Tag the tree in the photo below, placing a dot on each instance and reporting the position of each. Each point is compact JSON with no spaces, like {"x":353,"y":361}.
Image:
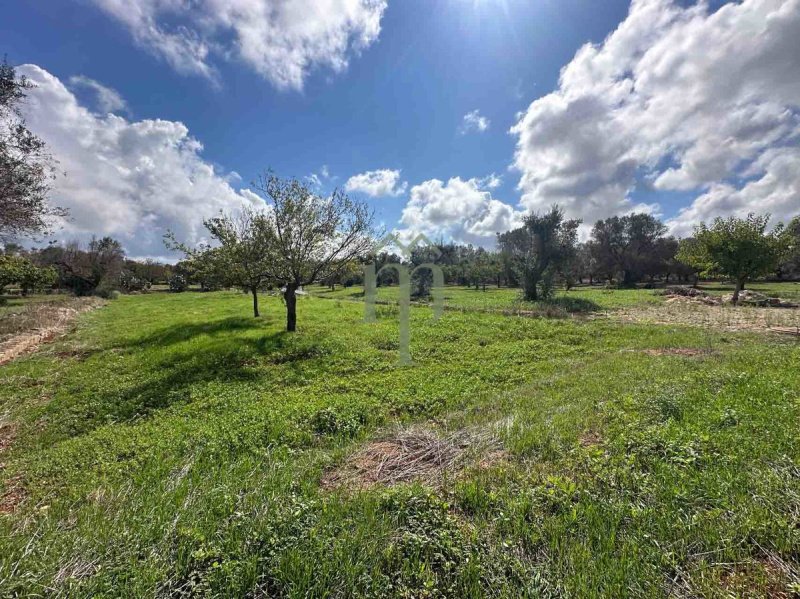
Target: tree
{"x":26,"y":168}
{"x":790,"y":265}
{"x":739,"y":248}
{"x":95,"y":270}
{"x":242,"y":257}
{"x":622,"y":245}
{"x":314,"y":237}
{"x":23,"y":272}
{"x":483,"y":269}
{"x":537,"y":249}
{"x":32,"y":277}
{"x":10,"y":267}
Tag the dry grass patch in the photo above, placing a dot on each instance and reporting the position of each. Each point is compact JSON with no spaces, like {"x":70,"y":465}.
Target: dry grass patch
{"x":715,"y":317}
{"x":22,"y":332}
{"x":688,"y":352}
{"x":415,"y":454}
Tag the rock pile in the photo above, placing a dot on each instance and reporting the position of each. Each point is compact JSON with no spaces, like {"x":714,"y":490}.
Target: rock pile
{"x":746,"y":298}
{"x":753,"y":298}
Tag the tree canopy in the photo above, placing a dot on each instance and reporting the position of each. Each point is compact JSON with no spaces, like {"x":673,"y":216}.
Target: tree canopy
{"x":314,"y":237}
{"x":739,"y":248}
{"x":26,"y":169}
{"x":545,"y":243}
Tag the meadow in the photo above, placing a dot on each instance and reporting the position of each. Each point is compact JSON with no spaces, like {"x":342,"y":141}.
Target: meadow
{"x":173,"y":445}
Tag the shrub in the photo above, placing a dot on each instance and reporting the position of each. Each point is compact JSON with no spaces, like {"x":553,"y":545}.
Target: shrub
{"x":178,"y":283}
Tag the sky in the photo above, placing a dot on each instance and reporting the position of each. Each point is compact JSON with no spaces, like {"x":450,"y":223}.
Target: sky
{"x":452,"y":118}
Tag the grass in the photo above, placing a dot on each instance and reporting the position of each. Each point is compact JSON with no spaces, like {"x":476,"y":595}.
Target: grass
{"x":174,"y":445}
{"x":493,"y":299}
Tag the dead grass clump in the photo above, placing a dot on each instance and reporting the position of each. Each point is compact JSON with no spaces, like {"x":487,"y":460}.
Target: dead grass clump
{"x":22,"y":332}
{"x":414,"y":454}
{"x":75,"y":569}
{"x":677,"y":351}
{"x":590,"y":438}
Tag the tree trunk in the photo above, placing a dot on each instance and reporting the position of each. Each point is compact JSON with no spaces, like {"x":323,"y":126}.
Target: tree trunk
{"x":254,"y":291}
{"x":736,"y":291}
{"x":530,"y":283}
{"x":291,"y":307}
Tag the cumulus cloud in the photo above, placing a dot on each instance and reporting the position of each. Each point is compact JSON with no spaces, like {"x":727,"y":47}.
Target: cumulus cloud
{"x":460,"y":209}
{"x":473,"y":121}
{"x":106,"y":98}
{"x":680,"y":98}
{"x":132,"y":180}
{"x":282,"y":40}
{"x":379,"y":183}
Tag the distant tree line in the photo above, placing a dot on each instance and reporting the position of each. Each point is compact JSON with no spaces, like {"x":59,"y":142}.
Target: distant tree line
{"x":301,"y":238}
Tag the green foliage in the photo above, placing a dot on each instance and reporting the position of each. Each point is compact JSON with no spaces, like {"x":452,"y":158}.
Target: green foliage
{"x":739,"y":248}
{"x":537,"y":250}
{"x":630,"y":246}
{"x":23,"y":272}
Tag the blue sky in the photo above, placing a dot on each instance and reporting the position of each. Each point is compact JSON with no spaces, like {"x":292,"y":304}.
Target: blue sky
{"x":400,"y":104}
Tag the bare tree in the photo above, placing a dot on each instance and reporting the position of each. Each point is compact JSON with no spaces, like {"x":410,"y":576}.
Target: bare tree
{"x":314,"y":237}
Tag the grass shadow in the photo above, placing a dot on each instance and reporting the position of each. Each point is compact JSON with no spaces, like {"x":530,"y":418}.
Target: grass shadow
{"x":573,"y":305}
{"x":180,"y":333}
{"x":166,"y":379}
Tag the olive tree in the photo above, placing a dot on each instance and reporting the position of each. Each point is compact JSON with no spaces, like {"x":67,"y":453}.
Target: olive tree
{"x":26,"y":168}
{"x":739,"y":248}
{"x":539,"y":248}
{"x":313,"y":237}
{"x":623,"y":245}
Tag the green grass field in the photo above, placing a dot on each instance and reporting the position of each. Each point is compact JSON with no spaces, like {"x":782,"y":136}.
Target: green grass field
{"x":172,"y":445}
{"x":493,"y":299}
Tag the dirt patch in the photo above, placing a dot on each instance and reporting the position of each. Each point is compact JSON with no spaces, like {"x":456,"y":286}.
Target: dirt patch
{"x":766,"y":577}
{"x":13,"y":494}
{"x":415,"y":454}
{"x":590,"y":439}
{"x":38,"y":324}
{"x":7,"y":434}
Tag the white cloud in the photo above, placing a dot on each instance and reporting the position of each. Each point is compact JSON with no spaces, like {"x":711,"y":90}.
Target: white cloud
{"x":282,"y":40}
{"x":379,"y":183}
{"x":490,"y":181}
{"x":129,"y":179}
{"x":473,"y":121}
{"x":689,"y":99}
{"x":107,"y":99}
{"x":459,"y":209}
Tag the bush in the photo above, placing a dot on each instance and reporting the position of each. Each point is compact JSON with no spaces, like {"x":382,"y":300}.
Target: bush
{"x":178,"y":283}
{"x":130,"y":283}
